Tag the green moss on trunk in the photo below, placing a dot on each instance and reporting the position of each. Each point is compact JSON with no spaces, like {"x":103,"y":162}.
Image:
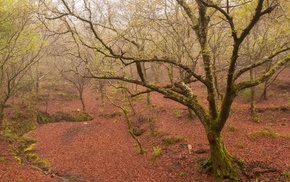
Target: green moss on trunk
{"x":220,"y":161}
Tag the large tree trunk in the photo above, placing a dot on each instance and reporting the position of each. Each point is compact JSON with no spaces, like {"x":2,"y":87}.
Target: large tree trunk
{"x":220,"y":161}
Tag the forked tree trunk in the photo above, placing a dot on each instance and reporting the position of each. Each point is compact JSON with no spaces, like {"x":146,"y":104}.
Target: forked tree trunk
{"x":220,"y":161}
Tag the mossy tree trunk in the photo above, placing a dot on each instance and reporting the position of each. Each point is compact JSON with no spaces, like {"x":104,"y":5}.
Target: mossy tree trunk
{"x":220,"y":160}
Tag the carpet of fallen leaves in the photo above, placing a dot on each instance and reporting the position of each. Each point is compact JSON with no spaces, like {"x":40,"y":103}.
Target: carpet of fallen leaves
{"x":103,"y":150}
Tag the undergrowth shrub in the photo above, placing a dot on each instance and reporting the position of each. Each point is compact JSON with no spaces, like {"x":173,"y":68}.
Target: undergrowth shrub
{"x":264,"y":133}
{"x":172,"y":140}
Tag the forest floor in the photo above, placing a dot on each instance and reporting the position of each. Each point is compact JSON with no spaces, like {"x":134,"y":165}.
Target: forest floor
{"x":102,"y":150}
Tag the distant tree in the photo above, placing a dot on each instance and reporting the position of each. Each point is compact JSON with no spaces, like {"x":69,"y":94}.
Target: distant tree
{"x":74,"y":75}
{"x":112,"y":30}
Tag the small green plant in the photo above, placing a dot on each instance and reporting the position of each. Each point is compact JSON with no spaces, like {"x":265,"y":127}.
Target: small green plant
{"x":162,"y":108}
{"x":32,"y":157}
{"x":20,"y":180}
{"x":233,"y":128}
{"x":181,"y":174}
{"x":155,"y":133}
{"x":42,"y":163}
{"x":240,"y":144}
{"x":7,"y":132}
{"x":286,"y":174}
{"x":286,"y":94}
{"x":111,"y":115}
{"x":156,"y":151}
{"x":2,"y":159}
{"x":172,"y":140}
{"x":29,"y":148}
{"x":177,"y":113}
{"x":241,"y":162}
{"x":18,"y":159}
{"x":264,"y":133}
{"x":257,"y":119}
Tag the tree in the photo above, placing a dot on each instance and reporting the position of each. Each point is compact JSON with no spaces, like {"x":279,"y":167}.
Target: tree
{"x":20,"y":47}
{"x":111,"y":29}
{"x":75,"y":78}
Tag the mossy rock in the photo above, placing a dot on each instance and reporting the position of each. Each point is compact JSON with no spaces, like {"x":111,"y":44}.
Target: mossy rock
{"x":44,"y":117}
{"x":79,"y":116}
{"x":76,"y":116}
{"x":172,"y":140}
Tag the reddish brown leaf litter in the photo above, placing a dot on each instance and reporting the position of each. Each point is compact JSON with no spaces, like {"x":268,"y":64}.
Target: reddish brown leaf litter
{"x":103,"y":150}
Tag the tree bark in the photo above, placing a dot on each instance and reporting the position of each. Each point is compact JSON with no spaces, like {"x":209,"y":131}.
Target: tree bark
{"x":83,"y":102}
{"x":264,"y":94}
{"x":191,"y":113}
{"x":220,"y":161}
{"x":1,"y":116}
{"x":253,"y":109}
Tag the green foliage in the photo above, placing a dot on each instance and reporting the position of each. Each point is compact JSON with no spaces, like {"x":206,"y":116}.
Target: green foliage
{"x":161,"y":108}
{"x":246,"y":94}
{"x":32,"y":157}
{"x":29,"y":148}
{"x":156,"y":151}
{"x":8,"y":135}
{"x":241,"y":162}
{"x":156,"y":133}
{"x":177,"y":113}
{"x":76,"y":116}
{"x":20,"y":123}
{"x":20,"y":180}
{"x":2,"y":159}
{"x":23,"y":153}
{"x":264,"y":133}
{"x":240,"y":144}
{"x":111,"y":115}
{"x":172,"y":140}
{"x":286,"y":174}
{"x":207,"y":165}
{"x":233,"y":128}
{"x":79,"y":116}
{"x":18,"y":159}
{"x":181,"y":174}
{"x":21,"y":146}
{"x":257,"y":119}
{"x":43,"y":164}
{"x":29,"y":100}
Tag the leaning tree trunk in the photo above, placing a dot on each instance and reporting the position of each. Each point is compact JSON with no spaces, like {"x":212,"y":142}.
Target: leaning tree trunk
{"x":220,"y":161}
